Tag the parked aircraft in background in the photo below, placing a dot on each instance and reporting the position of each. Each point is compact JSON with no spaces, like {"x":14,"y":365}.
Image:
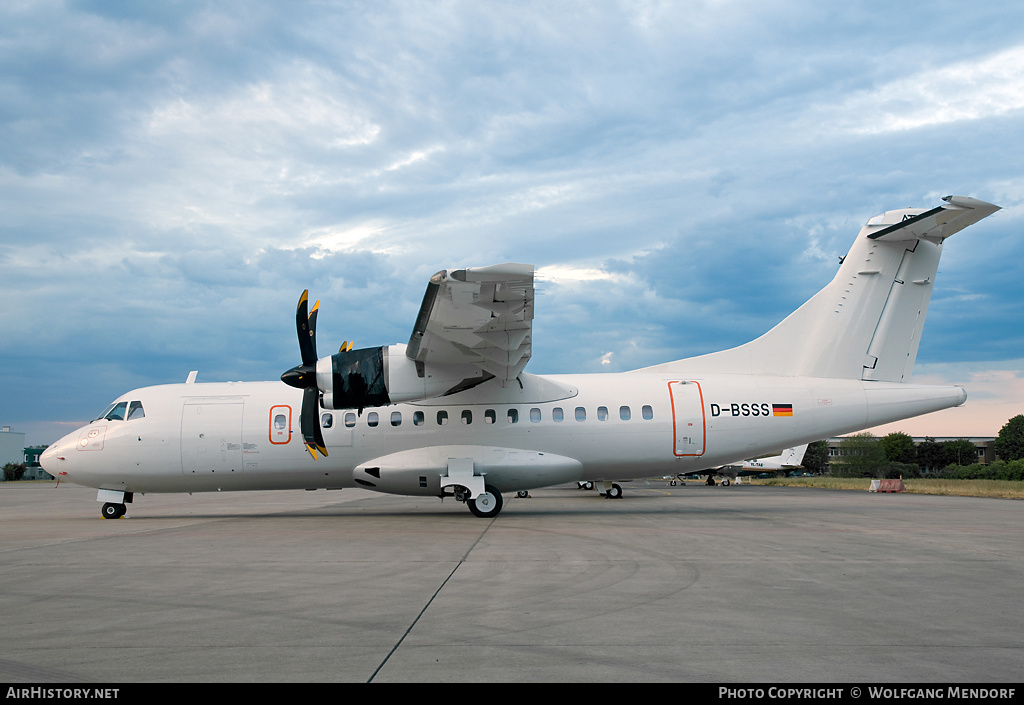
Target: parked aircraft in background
{"x":781,"y":464}
{"x":453,"y":413}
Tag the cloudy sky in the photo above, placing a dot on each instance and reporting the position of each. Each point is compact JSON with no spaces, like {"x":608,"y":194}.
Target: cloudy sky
{"x":683,"y":174}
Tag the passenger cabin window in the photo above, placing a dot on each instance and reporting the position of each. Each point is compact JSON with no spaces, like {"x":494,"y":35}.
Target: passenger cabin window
{"x":442,"y":418}
{"x":280,"y":422}
{"x":417,"y":418}
{"x":372,"y":419}
{"x":513,"y":415}
{"x":327,"y":421}
{"x":535,"y":415}
{"x":350,"y":419}
{"x":396,"y":418}
{"x":467,"y":417}
{"x":624,"y":413}
{"x":556,"y":414}
{"x":490,"y":416}
{"x":602,"y":413}
{"x":581,"y":413}
{"x":648,"y":412}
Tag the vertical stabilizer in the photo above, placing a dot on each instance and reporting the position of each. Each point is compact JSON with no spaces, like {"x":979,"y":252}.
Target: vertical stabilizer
{"x":794,"y":456}
{"x":866,"y":323}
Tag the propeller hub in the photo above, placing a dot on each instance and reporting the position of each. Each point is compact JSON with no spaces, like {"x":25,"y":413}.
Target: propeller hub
{"x":300,"y":377}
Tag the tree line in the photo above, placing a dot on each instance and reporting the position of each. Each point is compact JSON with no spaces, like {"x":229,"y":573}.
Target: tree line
{"x":896,"y":455}
{"x":14,"y":471}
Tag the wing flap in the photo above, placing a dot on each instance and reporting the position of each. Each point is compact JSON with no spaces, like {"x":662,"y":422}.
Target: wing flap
{"x":480,"y":316}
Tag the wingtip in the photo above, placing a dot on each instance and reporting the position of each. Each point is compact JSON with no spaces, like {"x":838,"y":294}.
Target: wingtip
{"x":972,"y":203}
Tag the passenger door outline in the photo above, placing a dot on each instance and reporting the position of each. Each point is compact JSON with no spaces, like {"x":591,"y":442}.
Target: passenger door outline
{"x":689,"y":430}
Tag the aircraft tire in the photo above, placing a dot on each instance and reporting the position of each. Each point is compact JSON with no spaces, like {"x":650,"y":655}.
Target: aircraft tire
{"x":614,"y":492}
{"x":486,"y":505}
{"x":113,"y":511}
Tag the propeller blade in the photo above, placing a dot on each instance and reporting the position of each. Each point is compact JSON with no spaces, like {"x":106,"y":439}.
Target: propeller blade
{"x":309,"y":422}
{"x":307,"y":349}
{"x":312,"y":327}
{"x":303,"y":376}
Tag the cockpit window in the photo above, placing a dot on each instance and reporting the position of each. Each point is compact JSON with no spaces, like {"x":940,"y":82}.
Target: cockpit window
{"x":105,"y":412}
{"x":117,"y":412}
{"x":121,"y":410}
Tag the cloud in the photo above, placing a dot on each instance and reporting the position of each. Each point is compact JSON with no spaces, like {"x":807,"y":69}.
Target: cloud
{"x":995,"y":394}
{"x":172,"y":176}
{"x":962,"y":91}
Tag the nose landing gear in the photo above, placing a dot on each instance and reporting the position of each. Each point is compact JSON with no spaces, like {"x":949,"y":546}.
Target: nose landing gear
{"x":114,"y":503}
{"x":113,"y":511}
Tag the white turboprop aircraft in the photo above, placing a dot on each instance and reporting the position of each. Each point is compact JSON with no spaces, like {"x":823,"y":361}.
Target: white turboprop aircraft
{"x":453,"y":413}
{"x":787,"y":460}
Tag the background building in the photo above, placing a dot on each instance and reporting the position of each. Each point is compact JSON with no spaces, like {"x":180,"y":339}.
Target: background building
{"x":12,"y":446}
{"x":13,"y":450}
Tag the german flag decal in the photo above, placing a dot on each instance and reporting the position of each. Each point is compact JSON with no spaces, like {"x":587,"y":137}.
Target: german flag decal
{"x":782,"y":409}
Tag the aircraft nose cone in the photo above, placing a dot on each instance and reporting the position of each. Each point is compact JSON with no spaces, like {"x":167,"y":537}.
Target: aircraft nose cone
{"x":48,"y":458}
{"x":53,"y":459}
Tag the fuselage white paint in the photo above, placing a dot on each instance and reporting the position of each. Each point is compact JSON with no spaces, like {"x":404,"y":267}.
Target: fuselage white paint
{"x":221,"y":437}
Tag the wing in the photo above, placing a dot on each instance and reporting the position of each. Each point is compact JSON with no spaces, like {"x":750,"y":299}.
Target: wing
{"x":481,"y":316}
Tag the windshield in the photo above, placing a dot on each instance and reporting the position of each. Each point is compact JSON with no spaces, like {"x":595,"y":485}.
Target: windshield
{"x":120,"y":410}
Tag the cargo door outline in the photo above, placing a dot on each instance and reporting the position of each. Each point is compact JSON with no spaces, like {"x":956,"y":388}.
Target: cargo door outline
{"x":689,"y":431}
{"x":211,"y":436}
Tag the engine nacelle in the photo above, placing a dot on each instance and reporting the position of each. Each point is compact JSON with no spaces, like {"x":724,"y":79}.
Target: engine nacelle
{"x":369,"y":377}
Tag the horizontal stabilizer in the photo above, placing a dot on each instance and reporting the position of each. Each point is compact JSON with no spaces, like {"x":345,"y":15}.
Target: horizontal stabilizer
{"x":937,"y":223}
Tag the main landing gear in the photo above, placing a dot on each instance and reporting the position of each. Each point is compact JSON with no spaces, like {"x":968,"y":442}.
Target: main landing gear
{"x":485,"y":505}
{"x":610,"y":490}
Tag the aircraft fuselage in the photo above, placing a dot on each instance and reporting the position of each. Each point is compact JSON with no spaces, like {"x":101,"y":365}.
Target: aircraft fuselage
{"x":245,"y":436}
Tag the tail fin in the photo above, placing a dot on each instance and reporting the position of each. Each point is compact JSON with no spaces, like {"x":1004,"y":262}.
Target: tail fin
{"x":794,"y":456}
{"x":866,"y":323}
